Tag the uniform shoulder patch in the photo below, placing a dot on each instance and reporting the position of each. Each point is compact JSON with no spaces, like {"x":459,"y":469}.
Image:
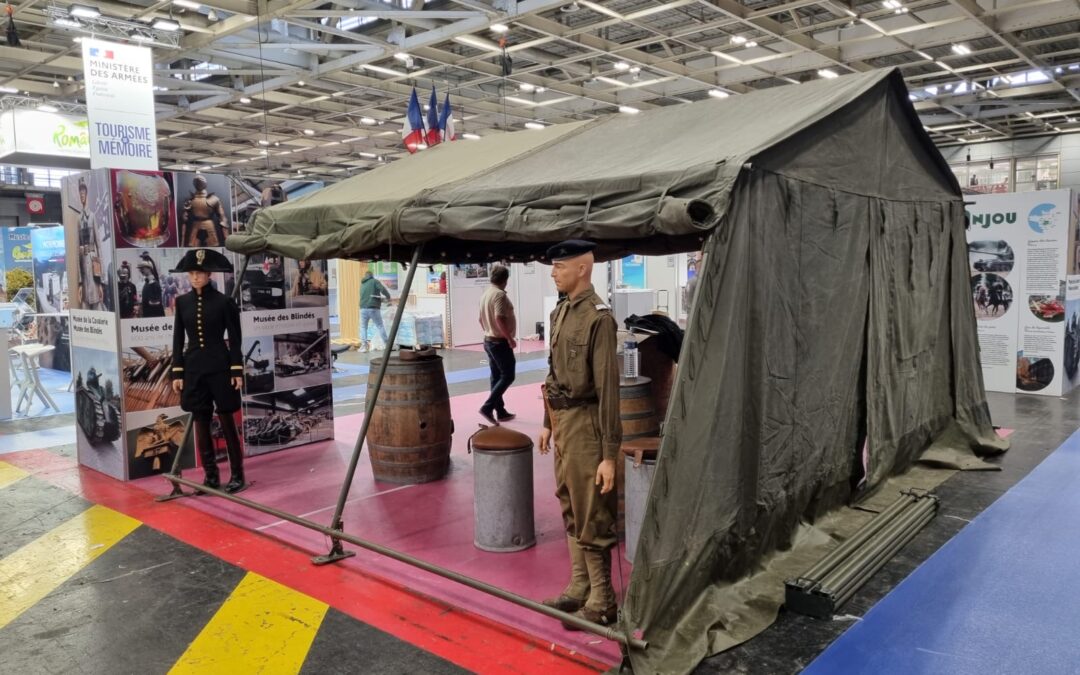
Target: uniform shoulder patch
{"x":601,"y":306}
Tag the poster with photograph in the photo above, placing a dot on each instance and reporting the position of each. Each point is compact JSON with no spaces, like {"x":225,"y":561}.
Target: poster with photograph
{"x":436,"y":279}
{"x":51,"y":291}
{"x":287,"y":371}
{"x":204,"y":209}
{"x":387,"y":273}
{"x":18,"y":261}
{"x":98,"y":421}
{"x":288,"y":418}
{"x":1020,"y":247}
{"x":471,"y":274}
{"x":306,"y":283}
{"x":147,"y":378}
{"x":258,"y":364}
{"x":153,"y":439}
{"x":144,"y":210}
{"x":1071,"y":356}
{"x":263,"y":283}
{"x":87,"y":210}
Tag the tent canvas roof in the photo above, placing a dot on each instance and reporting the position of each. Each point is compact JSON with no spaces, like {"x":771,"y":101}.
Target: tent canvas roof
{"x":655,"y":182}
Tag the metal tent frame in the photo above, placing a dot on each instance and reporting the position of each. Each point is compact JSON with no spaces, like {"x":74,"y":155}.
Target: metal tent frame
{"x":336,"y":531}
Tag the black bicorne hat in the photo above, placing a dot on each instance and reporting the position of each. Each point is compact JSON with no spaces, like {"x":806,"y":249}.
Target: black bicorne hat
{"x":203,"y":260}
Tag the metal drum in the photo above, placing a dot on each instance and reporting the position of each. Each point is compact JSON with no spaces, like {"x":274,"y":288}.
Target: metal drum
{"x":503,"y":484}
{"x":637,"y":482}
{"x":411,"y":429}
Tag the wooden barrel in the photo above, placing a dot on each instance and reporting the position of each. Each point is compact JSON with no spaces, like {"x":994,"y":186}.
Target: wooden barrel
{"x":636,"y":409}
{"x":410,"y":434}
{"x":661,"y":369}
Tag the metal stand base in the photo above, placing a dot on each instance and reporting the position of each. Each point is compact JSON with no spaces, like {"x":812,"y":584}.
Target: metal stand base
{"x":176,"y":493}
{"x":337,"y":552}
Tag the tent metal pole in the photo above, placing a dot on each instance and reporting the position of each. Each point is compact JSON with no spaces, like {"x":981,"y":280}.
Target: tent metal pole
{"x":238,"y":278}
{"x":336,"y":551}
{"x":570,"y":619}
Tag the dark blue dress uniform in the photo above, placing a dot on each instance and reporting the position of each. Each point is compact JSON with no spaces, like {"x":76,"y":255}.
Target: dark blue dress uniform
{"x":207,"y":364}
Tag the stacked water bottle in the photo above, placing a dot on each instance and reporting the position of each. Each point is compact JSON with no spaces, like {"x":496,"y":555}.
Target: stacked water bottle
{"x":630,"y":359}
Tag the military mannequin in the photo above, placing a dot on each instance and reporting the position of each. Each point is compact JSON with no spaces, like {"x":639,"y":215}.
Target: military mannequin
{"x":203,"y":219}
{"x":126,"y":291}
{"x":581,"y":416}
{"x":208,"y":375}
{"x":92,"y":238}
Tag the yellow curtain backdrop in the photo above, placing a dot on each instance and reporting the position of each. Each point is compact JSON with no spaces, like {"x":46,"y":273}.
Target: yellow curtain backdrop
{"x":349,"y":274}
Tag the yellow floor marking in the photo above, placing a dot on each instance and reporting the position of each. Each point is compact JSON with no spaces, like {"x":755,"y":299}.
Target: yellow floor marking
{"x":35,"y":570}
{"x":263,"y":627}
{"x":9,"y":473}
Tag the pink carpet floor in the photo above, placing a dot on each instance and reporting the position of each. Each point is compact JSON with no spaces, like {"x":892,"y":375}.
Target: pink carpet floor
{"x":432,"y":522}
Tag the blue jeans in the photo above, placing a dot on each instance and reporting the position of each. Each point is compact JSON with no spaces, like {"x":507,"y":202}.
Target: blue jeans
{"x":503,"y":364}
{"x":366,"y":317}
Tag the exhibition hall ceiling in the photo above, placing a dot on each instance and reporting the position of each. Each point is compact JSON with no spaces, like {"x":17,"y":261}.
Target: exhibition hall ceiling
{"x":295,"y":88}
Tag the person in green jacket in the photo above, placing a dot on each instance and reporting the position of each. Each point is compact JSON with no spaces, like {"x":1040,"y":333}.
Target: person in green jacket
{"x":372,"y":294}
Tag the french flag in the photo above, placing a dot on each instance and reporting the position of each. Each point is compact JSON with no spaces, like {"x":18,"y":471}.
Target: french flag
{"x":95,"y":52}
{"x":412,"y":131}
{"x":446,"y":121}
{"x":433,"y":127}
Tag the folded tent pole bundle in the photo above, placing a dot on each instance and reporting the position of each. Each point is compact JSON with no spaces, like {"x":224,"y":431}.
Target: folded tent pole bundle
{"x":826,"y":586}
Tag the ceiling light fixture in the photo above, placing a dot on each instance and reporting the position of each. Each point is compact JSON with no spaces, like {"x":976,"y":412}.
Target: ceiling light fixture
{"x":84,"y":12}
{"x":401,"y":56}
{"x":68,"y":23}
{"x":622,"y":65}
{"x":301,"y":83}
{"x":827,"y":74}
{"x":470,"y":136}
{"x":186,"y":4}
{"x":718,"y":93}
{"x":165,"y":24}
{"x":526,"y":87}
{"x":264,"y":142}
{"x":738,"y":40}
{"x":961,"y":49}
{"x":499,"y":28}
{"x":751,"y":44}
{"x":628,"y":109}
{"x":309,"y":132}
{"x":367,"y":120}
{"x":535,"y":125}
{"x":245,"y":100}
{"x":8,"y":90}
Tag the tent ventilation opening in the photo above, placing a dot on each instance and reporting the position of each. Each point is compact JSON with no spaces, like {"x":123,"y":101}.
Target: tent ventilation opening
{"x":700,"y":212}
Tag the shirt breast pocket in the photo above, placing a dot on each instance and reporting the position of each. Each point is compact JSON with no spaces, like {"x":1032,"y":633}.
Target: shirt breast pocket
{"x":578,"y":374}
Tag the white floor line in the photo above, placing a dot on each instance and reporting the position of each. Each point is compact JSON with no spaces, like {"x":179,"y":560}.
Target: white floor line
{"x":332,"y":507}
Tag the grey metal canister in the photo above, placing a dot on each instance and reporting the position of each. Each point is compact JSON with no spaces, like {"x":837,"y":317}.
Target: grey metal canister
{"x":640,"y":464}
{"x":503,"y":485}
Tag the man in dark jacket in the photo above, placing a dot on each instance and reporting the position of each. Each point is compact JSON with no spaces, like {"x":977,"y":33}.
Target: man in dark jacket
{"x":208,"y":374}
{"x":372,"y":294}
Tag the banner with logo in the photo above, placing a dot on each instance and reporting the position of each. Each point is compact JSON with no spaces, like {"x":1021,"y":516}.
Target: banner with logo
{"x":120,"y":102}
{"x":41,"y":133}
{"x":1020,"y":248}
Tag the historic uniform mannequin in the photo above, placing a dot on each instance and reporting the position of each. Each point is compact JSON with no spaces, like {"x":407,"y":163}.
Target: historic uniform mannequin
{"x":207,"y":373}
{"x":203,"y":219}
{"x":582,"y":417}
{"x":92,"y":237}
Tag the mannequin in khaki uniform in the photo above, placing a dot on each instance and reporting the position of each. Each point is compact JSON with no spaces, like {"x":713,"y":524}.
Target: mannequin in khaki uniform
{"x":582,"y":414}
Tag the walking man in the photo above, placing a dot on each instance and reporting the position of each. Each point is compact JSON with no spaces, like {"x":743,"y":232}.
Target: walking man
{"x":500,"y":325}
{"x":581,"y":416}
{"x":372,"y":294}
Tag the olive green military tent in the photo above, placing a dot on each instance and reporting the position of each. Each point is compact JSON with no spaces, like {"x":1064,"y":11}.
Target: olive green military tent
{"x":833,"y":336}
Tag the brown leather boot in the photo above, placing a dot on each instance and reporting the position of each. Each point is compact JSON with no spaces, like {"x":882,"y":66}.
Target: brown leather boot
{"x":600,"y":607}
{"x":577,"y":591}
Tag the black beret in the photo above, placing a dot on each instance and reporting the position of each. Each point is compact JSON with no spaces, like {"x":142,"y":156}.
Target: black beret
{"x":570,"y":248}
{"x":203,"y":260}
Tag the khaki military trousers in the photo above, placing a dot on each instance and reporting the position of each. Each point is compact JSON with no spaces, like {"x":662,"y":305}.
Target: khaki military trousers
{"x":589,"y":516}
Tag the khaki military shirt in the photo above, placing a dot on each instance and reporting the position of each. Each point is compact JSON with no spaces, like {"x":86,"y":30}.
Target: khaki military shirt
{"x":583,"y":362}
